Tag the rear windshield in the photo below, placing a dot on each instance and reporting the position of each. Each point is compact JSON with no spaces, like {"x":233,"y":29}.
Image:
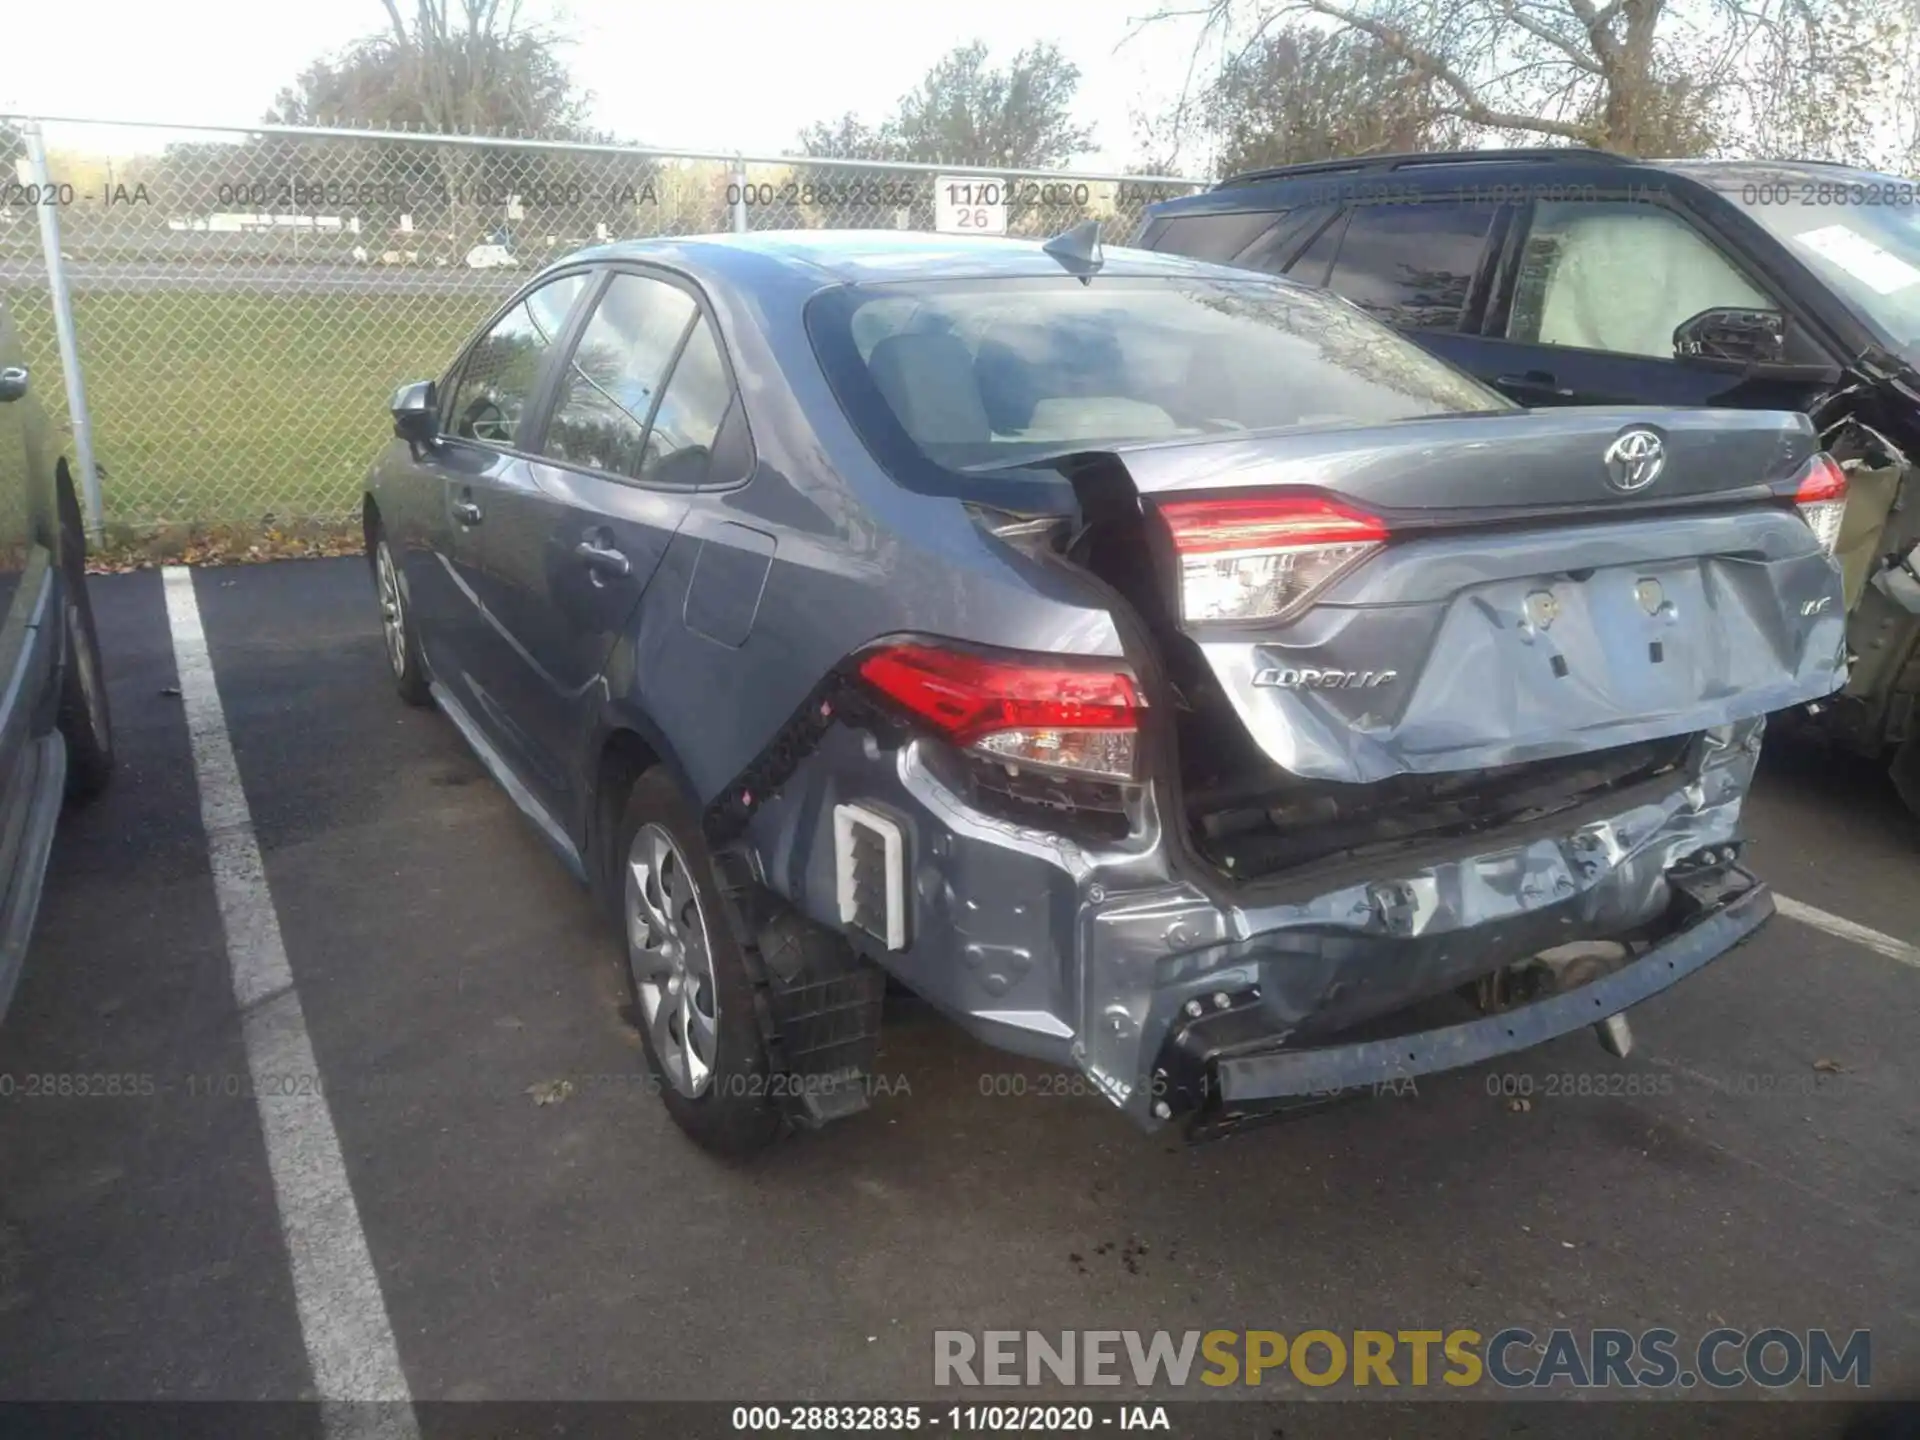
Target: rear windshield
{"x":982,"y":375}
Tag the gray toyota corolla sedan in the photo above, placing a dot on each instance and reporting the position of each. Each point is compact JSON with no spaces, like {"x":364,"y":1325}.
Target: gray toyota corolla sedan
{"x":1166,"y":671}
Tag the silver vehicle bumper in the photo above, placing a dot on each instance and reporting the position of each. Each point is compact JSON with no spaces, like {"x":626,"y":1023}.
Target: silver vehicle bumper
{"x":1096,"y":956}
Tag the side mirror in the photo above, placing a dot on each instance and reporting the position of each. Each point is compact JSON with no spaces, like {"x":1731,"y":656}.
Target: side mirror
{"x":1750,"y":337}
{"x":416,"y":413}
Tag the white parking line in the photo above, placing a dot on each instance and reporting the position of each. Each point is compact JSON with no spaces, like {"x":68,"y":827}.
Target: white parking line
{"x":343,"y":1319}
{"x":1846,"y":929}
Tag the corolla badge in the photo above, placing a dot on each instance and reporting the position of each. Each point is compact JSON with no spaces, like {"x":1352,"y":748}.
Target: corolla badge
{"x":1635,"y":460}
{"x":1290,"y":677}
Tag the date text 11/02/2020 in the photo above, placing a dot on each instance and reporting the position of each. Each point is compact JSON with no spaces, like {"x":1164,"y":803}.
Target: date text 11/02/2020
{"x":906,"y":1419}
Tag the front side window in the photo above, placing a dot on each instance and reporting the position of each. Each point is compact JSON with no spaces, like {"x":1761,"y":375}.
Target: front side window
{"x":615,"y":375}
{"x":1412,"y":265}
{"x":984,"y":374}
{"x":503,"y":367}
{"x":1618,"y":276}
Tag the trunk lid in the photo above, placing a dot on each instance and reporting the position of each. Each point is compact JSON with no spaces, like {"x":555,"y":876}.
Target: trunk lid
{"x":1482,"y":591}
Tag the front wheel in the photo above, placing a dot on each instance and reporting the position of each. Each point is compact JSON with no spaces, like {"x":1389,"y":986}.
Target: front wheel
{"x":693,"y":998}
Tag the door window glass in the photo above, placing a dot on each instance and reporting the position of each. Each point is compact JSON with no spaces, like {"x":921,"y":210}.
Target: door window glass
{"x":600,"y":417}
{"x":1412,"y":265}
{"x":1618,"y":276}
{"x":503,"y":367}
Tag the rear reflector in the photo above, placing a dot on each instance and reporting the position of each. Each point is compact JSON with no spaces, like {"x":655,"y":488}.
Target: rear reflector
{"x":1015,"y":712}
{"x":1821,"y":499}
{"x":1264,"y":558}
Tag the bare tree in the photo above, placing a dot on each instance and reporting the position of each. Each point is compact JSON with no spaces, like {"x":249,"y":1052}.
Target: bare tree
{"x":1640,"y":76}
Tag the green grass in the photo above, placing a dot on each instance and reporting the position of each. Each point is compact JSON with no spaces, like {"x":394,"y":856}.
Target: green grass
{"x":246,"y":410}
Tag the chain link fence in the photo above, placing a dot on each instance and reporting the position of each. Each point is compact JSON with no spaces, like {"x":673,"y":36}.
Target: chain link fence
{"x":243,"y":303}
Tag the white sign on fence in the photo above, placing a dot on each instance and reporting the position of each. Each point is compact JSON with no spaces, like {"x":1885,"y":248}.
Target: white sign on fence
{"x":969,"y":205}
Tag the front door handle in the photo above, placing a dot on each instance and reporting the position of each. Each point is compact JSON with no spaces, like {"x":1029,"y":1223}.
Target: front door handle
{"x":602,"y":559}
{"x":13,"y":382}
{"x":1534,"y":382}
{"x":467,"y":513}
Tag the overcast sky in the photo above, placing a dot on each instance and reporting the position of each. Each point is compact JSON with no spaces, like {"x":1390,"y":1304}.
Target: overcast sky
{"x":729,"y":74}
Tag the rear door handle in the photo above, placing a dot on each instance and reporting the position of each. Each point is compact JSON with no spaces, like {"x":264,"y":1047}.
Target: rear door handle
{"x":13,"y":382}
{"x":467,"y":513}
{"x":1534,"y":382}
{"x":602,"y":559}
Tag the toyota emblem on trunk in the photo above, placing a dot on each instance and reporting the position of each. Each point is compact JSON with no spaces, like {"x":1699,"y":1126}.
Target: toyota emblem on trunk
{"x":1634,"y":460}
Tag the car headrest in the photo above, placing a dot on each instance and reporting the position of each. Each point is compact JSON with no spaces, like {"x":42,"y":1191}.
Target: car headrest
{"x":1009,"y":385}
{"x":928,"y":380}
{"x":1212,"y":383}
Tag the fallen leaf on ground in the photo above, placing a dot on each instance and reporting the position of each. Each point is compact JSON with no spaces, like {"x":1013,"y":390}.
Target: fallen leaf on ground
{"x":550,"y":1092}
{"x":1827,"y":1067}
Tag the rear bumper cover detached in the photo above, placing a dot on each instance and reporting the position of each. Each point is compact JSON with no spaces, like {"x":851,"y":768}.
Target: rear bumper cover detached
{"x":1737,"y":905}
{"x":1109,"y":956}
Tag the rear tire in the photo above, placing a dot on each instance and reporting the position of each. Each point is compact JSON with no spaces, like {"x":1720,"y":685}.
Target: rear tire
{"x":84,"y":720}
{"x":397,"y":627}
{"x":693,"y":997}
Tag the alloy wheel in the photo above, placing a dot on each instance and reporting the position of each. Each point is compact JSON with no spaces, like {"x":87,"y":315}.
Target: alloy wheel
{"x":671,"y":960}
{"x":393,"y":620}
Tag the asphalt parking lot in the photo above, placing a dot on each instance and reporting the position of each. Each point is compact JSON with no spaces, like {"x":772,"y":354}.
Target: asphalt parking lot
{"x":1766,"y":1172}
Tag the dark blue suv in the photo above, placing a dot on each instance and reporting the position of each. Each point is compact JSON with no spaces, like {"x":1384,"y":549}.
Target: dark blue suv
{"x":1577,"y":277}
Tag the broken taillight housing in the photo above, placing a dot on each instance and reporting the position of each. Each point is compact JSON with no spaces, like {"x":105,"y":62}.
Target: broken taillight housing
{"x":1821,"y":498}
{"x":1264,"y":557}
{"x":1015,"y":711}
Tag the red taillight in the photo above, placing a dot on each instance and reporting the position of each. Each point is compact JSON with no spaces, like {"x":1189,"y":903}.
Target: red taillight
{"x":1013,"y":711}
{"x":1264,"y":558}
{"x":1821,"y":499}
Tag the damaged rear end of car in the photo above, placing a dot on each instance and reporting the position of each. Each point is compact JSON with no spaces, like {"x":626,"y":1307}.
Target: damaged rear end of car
{"x":1378,"y":696}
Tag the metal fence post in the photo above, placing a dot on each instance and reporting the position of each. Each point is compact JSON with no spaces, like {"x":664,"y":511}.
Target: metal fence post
{"x":739,"y":196}
{"x":62,"y":301}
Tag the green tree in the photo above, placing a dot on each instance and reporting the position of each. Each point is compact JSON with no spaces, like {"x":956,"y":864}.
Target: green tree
{"x":964,"y":112}
{"x":479,"y":76}
{"x":1298,"y":94}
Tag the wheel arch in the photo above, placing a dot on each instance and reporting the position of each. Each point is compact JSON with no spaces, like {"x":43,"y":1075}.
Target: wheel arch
{"x":627,"y":745}
{"x":369,"y":521}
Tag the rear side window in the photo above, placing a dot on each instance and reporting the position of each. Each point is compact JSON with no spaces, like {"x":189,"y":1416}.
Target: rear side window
{"x":1316,"y":261}
{"x":616,"y":372}
{"x":1214,"y":237}
{"x":1412,"y":265}
{"x":503,"y":368}
{"x":680,"y":441}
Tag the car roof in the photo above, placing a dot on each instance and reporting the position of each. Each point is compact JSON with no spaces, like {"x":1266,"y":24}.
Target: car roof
{"x":1564,"y":164}
{"x":869,"y":256}
{"x":1732,"y":174}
